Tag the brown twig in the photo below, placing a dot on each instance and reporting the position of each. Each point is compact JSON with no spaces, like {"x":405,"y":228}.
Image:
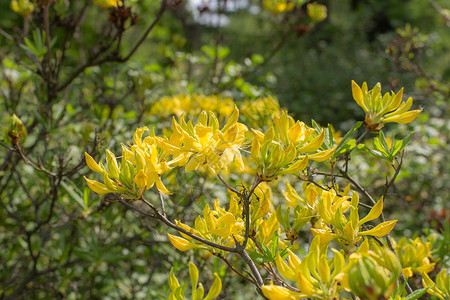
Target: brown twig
{"x":236,"y":271}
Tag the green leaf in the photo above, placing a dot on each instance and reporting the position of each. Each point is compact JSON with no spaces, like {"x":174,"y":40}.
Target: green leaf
{"x":259,"y":258}
{"x":383,"y":141}
{"x":274,"y":246}
{"x":417,"y":294}
{"x":373,"y":152}
{"x":347,"y":147}
{"x":400,"y":145}
{"x":74,"y":193}
{"x":345,"y":139}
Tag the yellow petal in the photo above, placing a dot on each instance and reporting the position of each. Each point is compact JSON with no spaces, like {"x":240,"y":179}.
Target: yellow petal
{"x":215,"y":289}
{"x":140,"y":179}
{"x":395,"y":102}
{"x":92,"y":164}
{"x":232,"y":120}
{"x":407,"y":272}
{"x":275,"y":292}
{"x":173,"y":282}
{"x":324,"y":269}
{"x":113,"y":168}
{"x":283,"y":268}
{"x":97,"y":187}
{"x":374,"y":213}
{"x":291,"y":196}
{"x":194,"y":163}
{"x":314,"y":144}
{"x":403,"y":118}
{"x":381,"y":229}
{"x":182,"y":244}
{"x":193,"y":273}
{"x":160,"y":186}
{"x":358,"y":96}
{"x":322,"y":155}
{"x":295,"y":167}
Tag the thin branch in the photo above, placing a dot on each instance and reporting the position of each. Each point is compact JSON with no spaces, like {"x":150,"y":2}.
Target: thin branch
{"x":6,"y":35}
{"x":161,"y":11}
{"x":247,"y":210}
{"x":441,"y":11}
{"x":397,"y":171}
{"x":229,"y":187}
{"x":166,"y":221}
{"x":40,"y":168}
{"x":162,"y":202}
{"x":236,"y":271}
{"x":357,"y":185}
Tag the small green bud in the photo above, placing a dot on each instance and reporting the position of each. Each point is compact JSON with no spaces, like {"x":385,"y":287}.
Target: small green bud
{"x":16,"y":132}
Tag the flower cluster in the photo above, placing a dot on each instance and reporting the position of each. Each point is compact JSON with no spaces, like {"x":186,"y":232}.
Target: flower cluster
{"x":381,"y":109}
{"x":177,"y":290}
{"x":220,"y":226}
{"x":192,"y":105}
{"x":108,"y":3}
{"x":286,"y":147}
{"x":22,"y":7}
{"x":249,"y":225}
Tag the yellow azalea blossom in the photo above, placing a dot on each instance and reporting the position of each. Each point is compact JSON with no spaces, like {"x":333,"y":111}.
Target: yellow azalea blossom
{"x":315,"y":275}
{"x":317,"y":12}
{"x":260,"y":112}
{"x":141,"y":167}
{"x":372,"y":266}
{"x":275,"y":292}
{"x":265,"y":230}
{"x":205,"y":144}
{"x":182,"y":244}
{"x":192,"y":105}
{"x":279,"y":6}
{"x":197,"y":290}
{"x":22,"y":7}
{"x":441,"y":288}
{"x":108,"y":3}
{"x":415,"y":256}
{"x":381,"y":109}
{"x":279,"y":150}
{"x":218,"y":225}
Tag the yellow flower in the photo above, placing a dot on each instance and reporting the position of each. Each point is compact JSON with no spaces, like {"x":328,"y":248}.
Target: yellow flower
{"x":441,"y":288}
{"x":415,"y":256}
{"x":275,"y":292}
{"x":279,"y":6}
{"x":259,"y":113}
{"x":317,"y":12}
{"x":315,"y":275}
{"x":141,"y":167}
{"x":218,"y":225}
{"x":279,"y":150}
{"x":381,"y":109}
{"x":204,"y":144}
{"x":177,"y":290}
{"x":192,"y":105}
{"x":22,"y":7}
{"x":372,"y":271}
{"x":108,"y":3}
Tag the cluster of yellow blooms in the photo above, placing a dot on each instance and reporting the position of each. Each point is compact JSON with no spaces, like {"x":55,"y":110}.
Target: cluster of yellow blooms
{"x":108,"y":3}
{"x":197,"y":288}
{"x":22,"y":7}
{"x":26,"y":7}
{"x":363,"y":266}
{"x":192,"y":105}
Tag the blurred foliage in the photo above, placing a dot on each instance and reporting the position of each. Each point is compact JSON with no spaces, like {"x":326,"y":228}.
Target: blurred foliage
{"x":92,"y":89}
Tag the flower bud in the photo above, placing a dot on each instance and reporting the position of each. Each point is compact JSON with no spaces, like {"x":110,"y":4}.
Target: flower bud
{"x":16,"y":131}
